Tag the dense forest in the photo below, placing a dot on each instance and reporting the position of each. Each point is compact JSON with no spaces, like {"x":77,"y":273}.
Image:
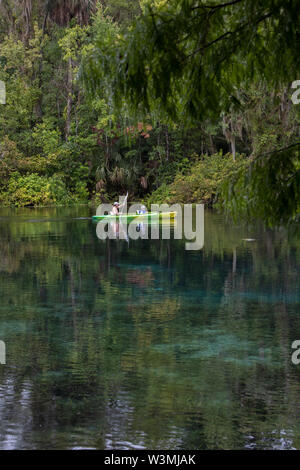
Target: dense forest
{"x":138,"y":342}
{"x":152,"y":98}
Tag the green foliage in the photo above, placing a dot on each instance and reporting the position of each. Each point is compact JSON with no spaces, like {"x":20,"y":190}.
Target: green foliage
{"x":189,"y":78}
{"x":161,"y":195}
{"x":45,"y":138}
{"x":196,"y":61}
{"x":35,"y":190}
{"x":203,"y":183}
{"x":193,"y":57}
{"x":269,"y":189}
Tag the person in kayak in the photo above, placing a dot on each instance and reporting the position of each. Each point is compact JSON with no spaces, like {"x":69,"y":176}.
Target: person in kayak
{"x":115,"y":208}
{"x":142,"y":210}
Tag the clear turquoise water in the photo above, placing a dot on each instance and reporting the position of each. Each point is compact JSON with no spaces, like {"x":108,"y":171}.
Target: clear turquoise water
{"x":117,"y":345}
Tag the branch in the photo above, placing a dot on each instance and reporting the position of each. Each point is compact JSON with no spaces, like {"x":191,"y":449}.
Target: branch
{"x":283,"y":149}
{"x":228,"y":33}
{"x":220,"y":5}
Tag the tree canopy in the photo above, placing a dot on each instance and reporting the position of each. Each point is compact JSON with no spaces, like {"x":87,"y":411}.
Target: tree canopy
{"x":196,"y":60}
{"x":178,"y":100}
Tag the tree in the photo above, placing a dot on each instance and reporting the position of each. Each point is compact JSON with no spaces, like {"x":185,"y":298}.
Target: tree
{"x":71,"y":45}
{"x":63,"y":11}
{"x":191,"y":58}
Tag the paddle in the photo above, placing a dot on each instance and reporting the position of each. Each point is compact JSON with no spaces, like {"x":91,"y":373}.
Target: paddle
{"x":125,"y":200}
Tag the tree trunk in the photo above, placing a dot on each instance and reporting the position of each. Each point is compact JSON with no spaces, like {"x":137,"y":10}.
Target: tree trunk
{"x":232,"y":143}
{"x":167,"y":144}
{"x":69,"y":98}
{"x":211,"y":145}
{"x":39,"y":105}
{"x":229,"y":134}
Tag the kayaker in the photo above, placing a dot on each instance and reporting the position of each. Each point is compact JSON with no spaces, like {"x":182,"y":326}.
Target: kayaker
{"x":142,"y":210}
{"x":115,"y":208}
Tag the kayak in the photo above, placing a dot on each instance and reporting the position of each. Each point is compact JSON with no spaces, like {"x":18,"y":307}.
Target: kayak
{"x":146,"y":216}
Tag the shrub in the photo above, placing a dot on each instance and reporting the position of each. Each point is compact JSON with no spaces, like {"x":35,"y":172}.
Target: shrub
{"x":203,"y":183}
{"x":35,"y":190}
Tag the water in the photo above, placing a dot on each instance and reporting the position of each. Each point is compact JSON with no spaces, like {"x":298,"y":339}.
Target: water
{"x":142,"y":344}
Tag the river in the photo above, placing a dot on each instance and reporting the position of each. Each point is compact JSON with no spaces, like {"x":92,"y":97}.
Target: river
{"x":142,"y":344}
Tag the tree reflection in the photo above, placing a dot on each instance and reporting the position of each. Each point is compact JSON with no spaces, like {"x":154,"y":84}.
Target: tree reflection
{"x":111,"y":345}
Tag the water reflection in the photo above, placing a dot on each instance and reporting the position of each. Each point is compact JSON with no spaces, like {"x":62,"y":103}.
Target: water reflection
{"x":135,"y":229}
{"x":143,"y":344}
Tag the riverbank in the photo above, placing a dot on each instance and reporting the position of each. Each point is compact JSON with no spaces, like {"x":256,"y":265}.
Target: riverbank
{"x":201,"y":179}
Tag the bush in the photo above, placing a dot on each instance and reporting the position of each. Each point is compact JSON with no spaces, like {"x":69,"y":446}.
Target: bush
{"x":204,"y":182}
{"x":36,"y":190}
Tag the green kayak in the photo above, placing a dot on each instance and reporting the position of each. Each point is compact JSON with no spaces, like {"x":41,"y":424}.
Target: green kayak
{"x":146,"y":216}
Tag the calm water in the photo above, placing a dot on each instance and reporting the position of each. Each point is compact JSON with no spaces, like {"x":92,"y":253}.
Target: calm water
{"x":117,"y":345}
